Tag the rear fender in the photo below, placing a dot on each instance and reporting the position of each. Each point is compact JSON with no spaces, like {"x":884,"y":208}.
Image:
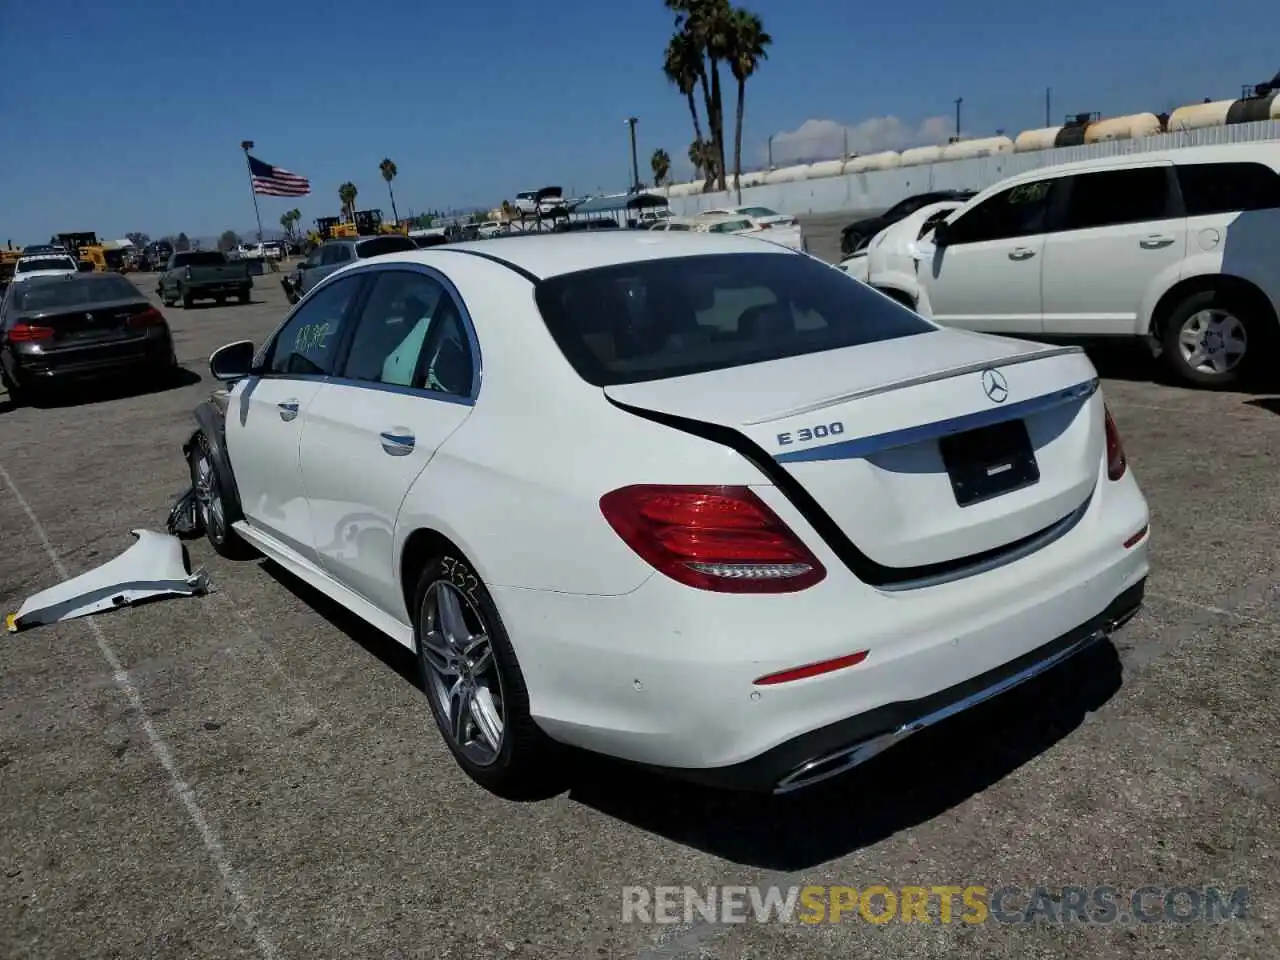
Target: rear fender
{"x":210,"y":422}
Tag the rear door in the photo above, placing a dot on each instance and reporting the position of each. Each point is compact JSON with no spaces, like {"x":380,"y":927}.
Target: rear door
{"x":987,"y":276}
{"x":1121,"y":229}
{"x":406,"y":382}
{"x":266,"y":413}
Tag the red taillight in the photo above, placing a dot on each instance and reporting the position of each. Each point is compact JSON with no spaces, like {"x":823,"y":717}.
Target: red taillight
{"x":723,"y":539}
{"x":150,"y":317}
{"x":1116,"y":462}
{"x":26,"y":332}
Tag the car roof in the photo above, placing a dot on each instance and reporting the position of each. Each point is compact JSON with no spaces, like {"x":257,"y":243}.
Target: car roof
{"x":1264,"y":152}
{"x":554,"y":254}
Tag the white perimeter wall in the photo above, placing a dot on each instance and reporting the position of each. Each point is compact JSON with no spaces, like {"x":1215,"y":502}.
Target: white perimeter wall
{"x":879,"y":189}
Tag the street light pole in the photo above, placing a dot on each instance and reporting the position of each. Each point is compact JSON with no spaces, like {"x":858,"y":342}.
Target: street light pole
{"x":959,"y":100}
{"x":635,"y":161}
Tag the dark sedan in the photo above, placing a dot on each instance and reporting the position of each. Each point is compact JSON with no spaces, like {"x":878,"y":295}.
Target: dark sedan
{"x":857,"y":235}
{"x":77,"y":327}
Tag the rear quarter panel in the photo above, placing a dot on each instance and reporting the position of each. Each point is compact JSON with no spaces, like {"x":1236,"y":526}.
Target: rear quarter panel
{"x":518,"y":486}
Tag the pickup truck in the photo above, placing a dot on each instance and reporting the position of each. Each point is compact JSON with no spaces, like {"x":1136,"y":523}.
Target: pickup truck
{"x":203,"y":275}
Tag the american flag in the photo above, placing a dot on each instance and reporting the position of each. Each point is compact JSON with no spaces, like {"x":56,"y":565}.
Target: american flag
{"x":271,"y":181}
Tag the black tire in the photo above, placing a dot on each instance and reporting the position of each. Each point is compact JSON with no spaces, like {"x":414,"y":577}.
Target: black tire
{"x":220,"y":301}
{"x":243,"y":298}
{"x":526,"y":765}
{"x":224,"y":540}
{"x":188,"y":301}
{"x":1226,"y":307}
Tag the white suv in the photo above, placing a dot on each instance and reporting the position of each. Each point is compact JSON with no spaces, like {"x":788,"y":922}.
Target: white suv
{"x":1179,"y":246}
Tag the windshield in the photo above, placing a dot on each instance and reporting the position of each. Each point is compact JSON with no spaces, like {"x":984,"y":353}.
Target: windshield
{"x":759,"y":212}
{"x":381,"y":245}
{"x":208,"y":258}
{"x":73,"y":292}
{"x":671,"y":317}
{"x":45,"y":263}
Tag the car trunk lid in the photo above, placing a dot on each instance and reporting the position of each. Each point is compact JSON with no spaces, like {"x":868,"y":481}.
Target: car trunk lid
{"x":923,"y":450}
{"x":90,"y":323}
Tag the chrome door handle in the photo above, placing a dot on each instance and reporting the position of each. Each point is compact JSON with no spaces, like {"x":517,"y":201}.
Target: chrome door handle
{"x":1021,"y":253}
{"x":1154,"y":242}
{"x":397,"y":443}
{"x":288,"y":409}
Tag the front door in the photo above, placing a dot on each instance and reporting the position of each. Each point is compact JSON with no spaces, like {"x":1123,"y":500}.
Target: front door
{"x":987,"y":275}
{"x":1120,"y":231}
{"x":267,"y":411}
{"x":405,"y":384}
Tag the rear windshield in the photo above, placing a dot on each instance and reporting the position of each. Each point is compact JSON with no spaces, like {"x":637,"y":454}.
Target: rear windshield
{"x":45,"y":263}
{"x":64,"y":292}
{"x":381,"y":245}
{"x":206,"y":258}
{"x":667,"y":318}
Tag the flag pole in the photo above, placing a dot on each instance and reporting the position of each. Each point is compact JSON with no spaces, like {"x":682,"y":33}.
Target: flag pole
{"x":246,"y":146}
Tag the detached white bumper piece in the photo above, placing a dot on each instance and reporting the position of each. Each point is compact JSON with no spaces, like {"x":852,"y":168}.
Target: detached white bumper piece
{"x":150,"y":569}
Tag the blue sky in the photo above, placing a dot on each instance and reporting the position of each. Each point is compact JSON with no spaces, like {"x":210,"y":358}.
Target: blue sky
{"x":125,"y":115}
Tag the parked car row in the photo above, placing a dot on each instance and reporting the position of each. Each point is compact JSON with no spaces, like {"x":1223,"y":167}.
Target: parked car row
{"x":1176,"y":247}
{"x":746,"y":221}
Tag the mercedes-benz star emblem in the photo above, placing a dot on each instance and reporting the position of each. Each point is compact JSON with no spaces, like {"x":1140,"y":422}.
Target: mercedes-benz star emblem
{"x":995,"y":386}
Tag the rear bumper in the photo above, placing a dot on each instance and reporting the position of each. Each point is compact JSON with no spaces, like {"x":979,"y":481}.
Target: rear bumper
{"x":665,"y":676}
{"x":230,"y":288}
{"x":91,"y":362}
{"x":839,"y":747}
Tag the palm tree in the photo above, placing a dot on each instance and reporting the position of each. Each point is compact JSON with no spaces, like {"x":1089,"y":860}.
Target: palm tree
{"x":660,"y":163}
{"x":747,"y":49}
{"x":702,"y":156}
{"x":347,"y":195}
{"x":707,"y":24}
{"x":681,"y":66}
{"x":389,"y":171}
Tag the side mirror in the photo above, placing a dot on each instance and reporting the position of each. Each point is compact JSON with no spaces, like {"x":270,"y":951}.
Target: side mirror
{"x":941,"y":234}
{"x":233,"y":361}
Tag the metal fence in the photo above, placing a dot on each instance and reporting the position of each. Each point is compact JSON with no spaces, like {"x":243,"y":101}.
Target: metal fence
{"x":879,"y":189}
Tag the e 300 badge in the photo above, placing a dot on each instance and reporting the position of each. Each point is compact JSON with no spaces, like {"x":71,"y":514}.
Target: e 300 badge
{"x":816,"y":432}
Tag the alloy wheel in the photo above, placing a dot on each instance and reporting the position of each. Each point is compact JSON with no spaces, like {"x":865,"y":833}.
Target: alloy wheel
{"x":1212,"y":341}
{"x":462,"y":677}
{"x":208,"y":499}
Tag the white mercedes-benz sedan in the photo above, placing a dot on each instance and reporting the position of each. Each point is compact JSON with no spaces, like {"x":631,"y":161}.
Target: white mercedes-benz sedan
{"x":698,"y":502}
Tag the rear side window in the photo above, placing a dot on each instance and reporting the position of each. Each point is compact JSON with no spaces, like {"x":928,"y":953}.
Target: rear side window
{"x":1228,"y":187}
{"x":380,"y":245}
{"x":1114,"y":197}
{"x":666,"y":318}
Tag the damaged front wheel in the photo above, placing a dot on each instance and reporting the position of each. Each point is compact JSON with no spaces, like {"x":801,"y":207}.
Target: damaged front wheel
{"x":212,"y":509}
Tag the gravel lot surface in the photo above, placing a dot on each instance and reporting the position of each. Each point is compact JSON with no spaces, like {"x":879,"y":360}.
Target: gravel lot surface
{"x":254,"y":774}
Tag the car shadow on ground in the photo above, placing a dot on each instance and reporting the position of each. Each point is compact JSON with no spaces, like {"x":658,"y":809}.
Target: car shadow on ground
{"x":1132,"y":361}
{"x":101,"y":391}
{"x":914,"y":782}
{"x":1269,"y":404}
{"x":377,"y":644}
{"x":79,"y":394}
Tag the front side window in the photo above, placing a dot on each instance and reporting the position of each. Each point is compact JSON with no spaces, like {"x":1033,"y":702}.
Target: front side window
{"x":670,"y":317}
{"x":1019,"y":211}
{"x":1113,"y":197}
{"x":308,"y":342}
